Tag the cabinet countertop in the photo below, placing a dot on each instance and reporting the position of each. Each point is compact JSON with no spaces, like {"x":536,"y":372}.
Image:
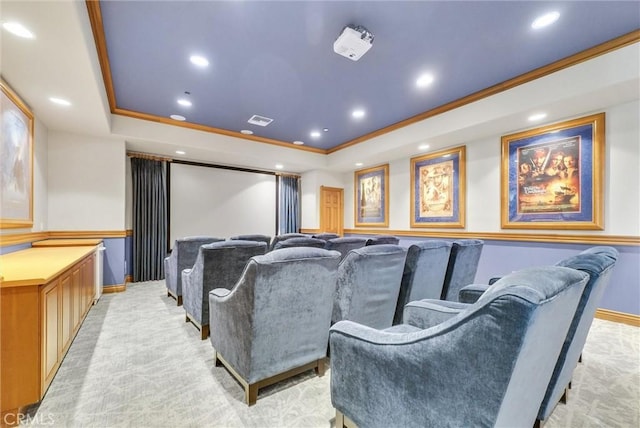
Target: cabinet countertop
{"x":39,"y":265}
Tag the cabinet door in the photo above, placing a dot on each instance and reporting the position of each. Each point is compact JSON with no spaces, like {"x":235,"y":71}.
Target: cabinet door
{"x":51,"y":335}
{"x":78,"y":303}
{"x":66,"y":288}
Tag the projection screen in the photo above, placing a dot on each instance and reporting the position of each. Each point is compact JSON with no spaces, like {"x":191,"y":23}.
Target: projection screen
{"x":220,"y":202}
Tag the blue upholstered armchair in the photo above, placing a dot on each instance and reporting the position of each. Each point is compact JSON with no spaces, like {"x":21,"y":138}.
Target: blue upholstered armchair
{"x":488,"y":365}
{"x":598,"y":263}
{"x":462,"y":267}
{"x":383,"y":239}
{"x":284,"y":237}
{"x":300,"y":242}
{"x":183,"y":256}
{"x":346,"y":244}
{"x":255,"y":237}
{"x":368,"y":285}
{"x":424,"y":272}
{"x":274,"y":323}
{"x":218,"y":265}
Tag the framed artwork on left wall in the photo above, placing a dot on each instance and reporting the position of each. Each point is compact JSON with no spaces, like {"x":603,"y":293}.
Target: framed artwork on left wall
{"x":16,"y":158}
{"x":372,"y":196}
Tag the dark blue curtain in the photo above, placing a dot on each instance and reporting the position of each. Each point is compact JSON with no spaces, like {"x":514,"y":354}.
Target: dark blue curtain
{"x":289,"y":209}
{"x":149,"y":219}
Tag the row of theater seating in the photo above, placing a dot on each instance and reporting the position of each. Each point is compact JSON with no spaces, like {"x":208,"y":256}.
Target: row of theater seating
{"x":230,"y":281}
{"x":503,"y":355}
{"x":392,"y":277}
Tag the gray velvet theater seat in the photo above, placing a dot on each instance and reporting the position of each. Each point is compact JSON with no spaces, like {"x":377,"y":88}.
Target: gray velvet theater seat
{"x":368,"y":285}
{"x":346,"y":244}
{"x":284,"y":237}
{"x":300,"y":242}
{"x":325,"y":236}
{"x":256,"y":237}
{"x":462,"y":267}
{"x":274,"y":323}
{"x":598,"y":262}
{"x":183,"y":256}
{"x":218,"y":265}
{"x":424,"y":272}
{"x":486,"y":366}
{"x":383,"y":239}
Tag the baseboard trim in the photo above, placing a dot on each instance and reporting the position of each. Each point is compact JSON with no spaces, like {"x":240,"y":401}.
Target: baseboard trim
{"x":621,"y":317}
{"x":114,"y":288}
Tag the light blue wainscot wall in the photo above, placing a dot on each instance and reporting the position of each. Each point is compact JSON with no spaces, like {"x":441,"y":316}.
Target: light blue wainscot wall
{"x":114,"y":261}
{"x":501,"y":257}
{"x":12,"y":248}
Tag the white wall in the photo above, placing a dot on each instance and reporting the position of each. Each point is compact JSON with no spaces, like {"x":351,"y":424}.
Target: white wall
{"x":310,"y":183}
{"x":86,"y":179}
{"x":622,"y":183}
{"x":40,"y":173}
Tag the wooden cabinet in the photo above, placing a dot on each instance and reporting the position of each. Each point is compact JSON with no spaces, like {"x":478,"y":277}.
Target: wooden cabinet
{"x":45,"y":295}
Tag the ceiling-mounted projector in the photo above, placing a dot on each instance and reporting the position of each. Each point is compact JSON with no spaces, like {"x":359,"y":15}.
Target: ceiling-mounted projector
{"x":353,"y":42}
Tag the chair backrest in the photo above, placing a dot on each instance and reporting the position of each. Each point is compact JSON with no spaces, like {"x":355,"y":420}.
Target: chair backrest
{"x":255,"y":237}
{"x":278,"y":313}
{"x":489,"y":365}
{"x":346,"y":244}
{"x":300,"y":242}
{"x":284,"y":237}
{"x":325,"y":236}
{"x":424,"y":270}
{"x":368,"y":285}
{"x":183,"y":256}
{"x":598,"y":262}
{"x":383,"y":239}
{"x":218,"y":265}
{"x":462,"y":267}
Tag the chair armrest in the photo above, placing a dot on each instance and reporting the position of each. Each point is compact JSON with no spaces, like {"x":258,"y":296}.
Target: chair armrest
{"x":219,"y":292}
{"x":494,"y":280}
{"x":429,"y":312}
{"x":471,"y":293}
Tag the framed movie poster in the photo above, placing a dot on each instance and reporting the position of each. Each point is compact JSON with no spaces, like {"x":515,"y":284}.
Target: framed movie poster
{"x":16,"y":156}
{"x":438,"y":189}
{"x":552,"y":176}
{"x":372,"y":196}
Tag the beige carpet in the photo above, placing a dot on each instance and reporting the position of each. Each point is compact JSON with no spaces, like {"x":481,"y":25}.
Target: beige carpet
{"x":136,"y":363}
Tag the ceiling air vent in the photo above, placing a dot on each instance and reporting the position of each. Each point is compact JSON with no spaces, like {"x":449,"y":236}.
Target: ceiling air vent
{"x":259,"y":120}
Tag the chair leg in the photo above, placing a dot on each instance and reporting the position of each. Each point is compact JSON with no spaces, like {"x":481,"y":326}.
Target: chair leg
{"x":565,"y":396}
{"x":580,"y":358}
{"x":339,"y":419}
{"x":204,"y":332}
{"x":320,"y":368}
{"x":251,"y":394}
{"x":216,"y":360}
{"x":186,"y":318}
{"x":179,"y":299}
{"x":538,"y":423}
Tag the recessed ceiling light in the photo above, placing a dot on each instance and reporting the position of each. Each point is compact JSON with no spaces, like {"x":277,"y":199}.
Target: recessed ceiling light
{"x":181,"y":152}
{"x":544,"y":20}
{"x":315,"y":134}
{"x":298,"y":143}
{"x":177,"y":117}
{"x":423,"y":147}
{"x":246,"y":132}
{"x":18,"y":29}
{"x":60,"y":101}
{"x":424,"y":80}
{"x":325,"y":129}
{"x":198,"y":60}
{"x":358,"y":114}
{"x":359,"y":163}
{"x":279,"y":166}
{"x":537,"y":116}
{"x":185,"y":103}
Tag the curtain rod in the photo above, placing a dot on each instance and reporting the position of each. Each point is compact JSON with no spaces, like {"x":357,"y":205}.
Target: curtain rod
{"x":148,"y":156}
